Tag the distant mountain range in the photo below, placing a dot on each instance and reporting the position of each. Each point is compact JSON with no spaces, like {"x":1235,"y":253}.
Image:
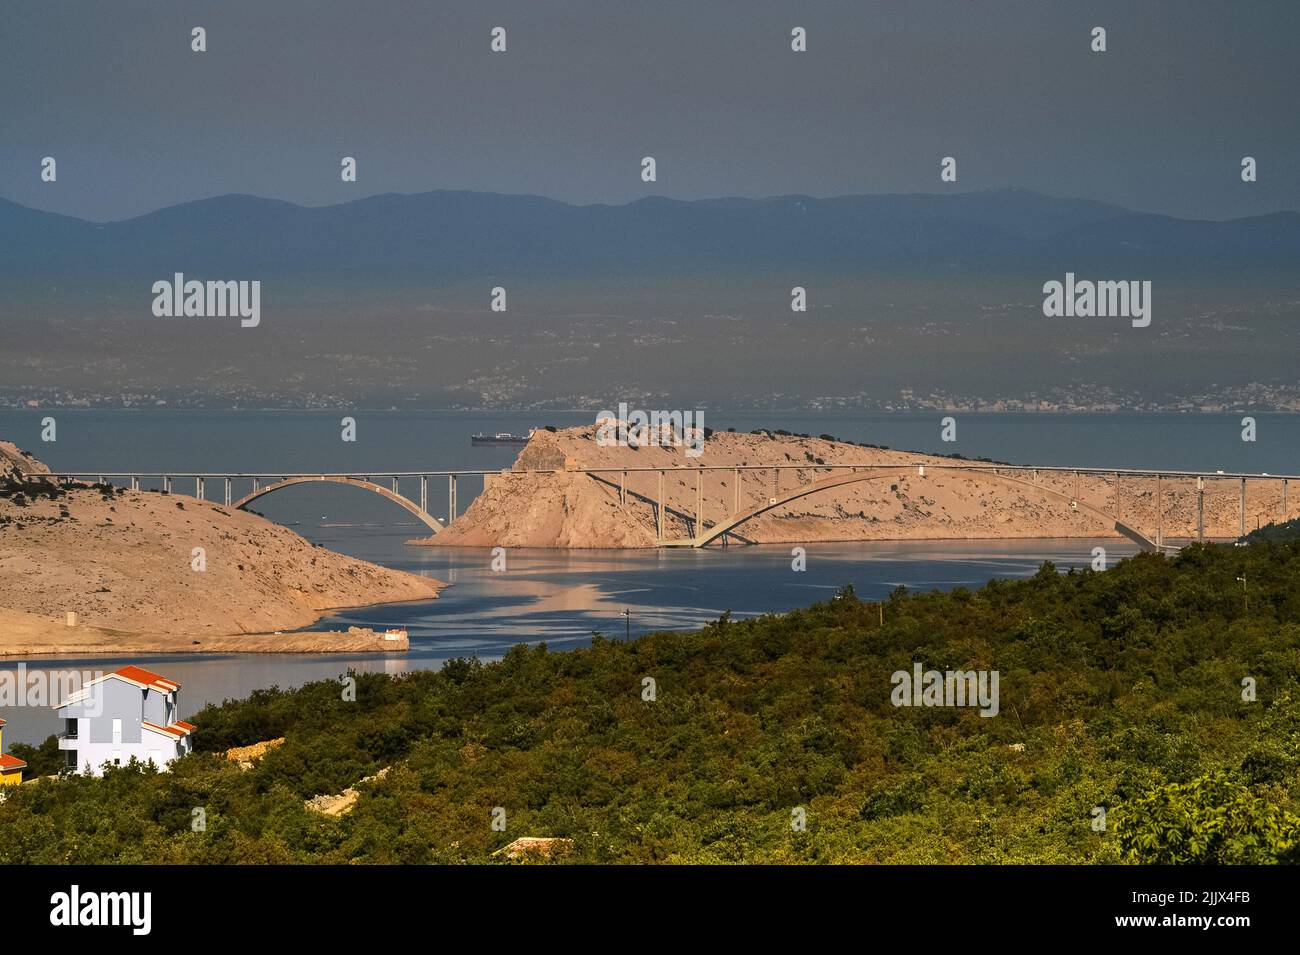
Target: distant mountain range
{"x":446,"y":235}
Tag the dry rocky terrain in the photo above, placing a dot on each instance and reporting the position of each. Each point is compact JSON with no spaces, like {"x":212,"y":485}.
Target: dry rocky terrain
{"x":152,"y":571}
{"x":526,"y":507}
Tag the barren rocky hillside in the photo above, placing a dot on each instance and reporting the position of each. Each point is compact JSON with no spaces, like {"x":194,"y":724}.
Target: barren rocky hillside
{"x":14,"y":460}
{"x":148,"y":562}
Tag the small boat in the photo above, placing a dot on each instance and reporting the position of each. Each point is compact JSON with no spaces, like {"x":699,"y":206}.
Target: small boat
{"x":501,"y":437}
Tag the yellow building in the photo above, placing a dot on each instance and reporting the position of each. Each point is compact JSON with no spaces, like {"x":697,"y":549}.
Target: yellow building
{"x":11,"y":767}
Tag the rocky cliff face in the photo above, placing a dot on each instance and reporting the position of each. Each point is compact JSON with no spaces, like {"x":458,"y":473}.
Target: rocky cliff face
{"x":15,"y":461}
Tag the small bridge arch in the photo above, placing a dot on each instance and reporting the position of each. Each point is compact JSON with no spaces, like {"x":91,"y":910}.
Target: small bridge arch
{"x":427,"y":519}
{"x":708,"y":536}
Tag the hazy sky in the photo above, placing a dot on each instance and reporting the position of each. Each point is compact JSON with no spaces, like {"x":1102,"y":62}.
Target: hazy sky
{"x":710,"y":88}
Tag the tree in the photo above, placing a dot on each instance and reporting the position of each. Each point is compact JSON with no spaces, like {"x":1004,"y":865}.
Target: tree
{"x":43,"y":760}
{"x":1213,"y":820}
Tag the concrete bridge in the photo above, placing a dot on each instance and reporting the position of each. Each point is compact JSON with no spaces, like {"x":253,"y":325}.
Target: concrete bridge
{"x":719,"y":529}
{"x":258,"y":485}
{"x":726,"y":527}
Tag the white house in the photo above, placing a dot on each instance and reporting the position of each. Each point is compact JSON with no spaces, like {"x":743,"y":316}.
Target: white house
{"x":129,"y":712}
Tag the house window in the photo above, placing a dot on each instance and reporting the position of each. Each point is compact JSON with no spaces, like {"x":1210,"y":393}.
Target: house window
{"x":70,"y":729}
{"x":71,"y":755}
{"x":117,"y":731}
{"x":117,"y":757}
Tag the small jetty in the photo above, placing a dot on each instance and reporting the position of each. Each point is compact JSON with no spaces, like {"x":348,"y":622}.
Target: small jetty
{"x":501,"y":437}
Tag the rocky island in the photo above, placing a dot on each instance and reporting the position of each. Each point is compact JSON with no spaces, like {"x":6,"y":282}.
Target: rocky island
{"x":552,"y":498}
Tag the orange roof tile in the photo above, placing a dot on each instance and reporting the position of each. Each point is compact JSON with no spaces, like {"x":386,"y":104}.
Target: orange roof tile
{"x":8,"y":762}
{"x":176,"y":729}
{"x":148,"y":678}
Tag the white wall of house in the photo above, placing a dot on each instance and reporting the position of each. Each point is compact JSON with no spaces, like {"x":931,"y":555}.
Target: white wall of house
{"x":110,"y":727}
{"x":153,"y":746}
{"x":159,"y":750}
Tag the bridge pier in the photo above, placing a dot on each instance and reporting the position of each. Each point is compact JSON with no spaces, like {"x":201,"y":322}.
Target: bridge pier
{"x":424,"y":493}
{"x":198,"y":488}
{"x":659,"y":509}
{"x":622,"y":489}
{"x":699,"y":501}
{"x":228,"y":482}
{"x":735,"y":507}
{"x":451,"y":498}
{"x":1200,"y":509}
{"x":1243,"y":507}
{"x":1284,"y":509}
{"x":135,"y":482}
{"x":1160,"y":514}
{"x":167,"y":483}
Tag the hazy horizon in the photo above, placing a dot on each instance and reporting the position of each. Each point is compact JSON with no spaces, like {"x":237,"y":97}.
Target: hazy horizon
{"x":1158,"y":122}
{"x":481,"y":171}
{"x":598,"y":203}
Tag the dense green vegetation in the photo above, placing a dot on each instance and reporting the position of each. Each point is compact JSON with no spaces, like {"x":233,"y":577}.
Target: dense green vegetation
{"x":1276,"y":531}
{"x":44,"y":760}
{"x":1121,"y":690}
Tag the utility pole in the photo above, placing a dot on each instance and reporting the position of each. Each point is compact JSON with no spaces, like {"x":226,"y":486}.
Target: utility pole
{"x":627,"y":617}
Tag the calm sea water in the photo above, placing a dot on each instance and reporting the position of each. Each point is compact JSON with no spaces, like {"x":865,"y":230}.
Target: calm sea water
{"x":562,"y":597}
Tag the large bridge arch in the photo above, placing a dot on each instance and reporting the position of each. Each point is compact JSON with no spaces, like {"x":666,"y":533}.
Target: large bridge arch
{"x":979,"y":473}
{"x":427,"y":519}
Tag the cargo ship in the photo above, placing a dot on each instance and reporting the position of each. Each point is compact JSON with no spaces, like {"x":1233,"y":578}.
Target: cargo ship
{"x":501,"y":437}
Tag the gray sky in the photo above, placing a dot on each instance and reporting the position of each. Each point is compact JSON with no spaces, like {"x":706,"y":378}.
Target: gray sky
{"x":710,"y":88}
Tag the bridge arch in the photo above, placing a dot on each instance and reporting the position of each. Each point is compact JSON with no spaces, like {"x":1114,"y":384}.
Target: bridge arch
{"x":986,"y":474}
{"x":426,"y":518}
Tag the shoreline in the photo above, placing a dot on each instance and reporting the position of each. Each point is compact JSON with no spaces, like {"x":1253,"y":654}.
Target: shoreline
{"x":972,"y":539}
{"x":118,"y":644}
{"x":308,"y":643}
{"x":251,"y":643}
{"x":24,"y":635}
